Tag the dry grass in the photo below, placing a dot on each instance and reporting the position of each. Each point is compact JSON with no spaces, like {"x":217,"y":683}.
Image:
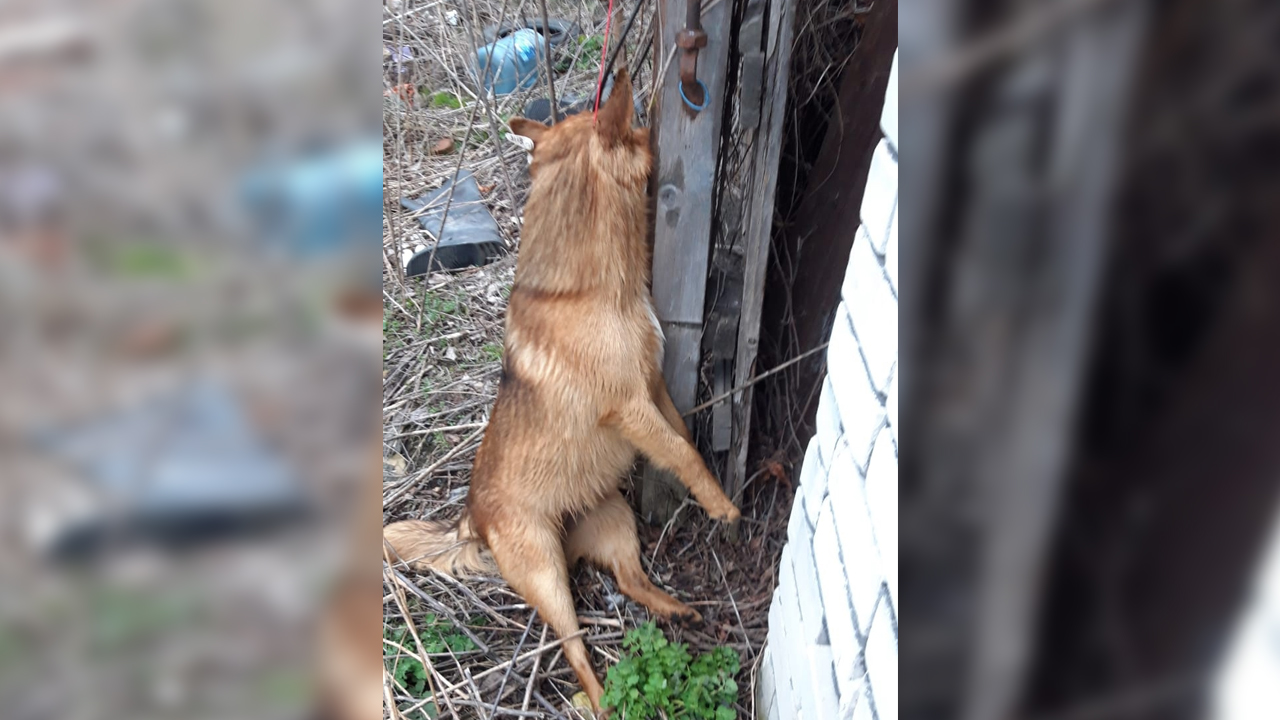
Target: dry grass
{"x":442,"y":350}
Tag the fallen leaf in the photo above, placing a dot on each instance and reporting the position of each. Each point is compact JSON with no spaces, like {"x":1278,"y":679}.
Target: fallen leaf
{"x":775,"y":469}
{"x":151,"y":338}
{"x":396,"y":463}
{"x":451,"y":354}
{"x":404,"y":91}
{"x":443,"y":146}
{"x":581,"y":701}
{"x":486,"y":189}
{"x":355,"y":305}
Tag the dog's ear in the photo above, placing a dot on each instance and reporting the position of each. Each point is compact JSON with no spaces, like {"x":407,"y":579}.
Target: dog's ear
{"x":614,"y":121}
{"x":531,"y":129}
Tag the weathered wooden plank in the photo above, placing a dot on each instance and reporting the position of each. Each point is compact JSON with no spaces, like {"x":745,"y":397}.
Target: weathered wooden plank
{"x":930,"y":653}
{"x":757,"y":229}
{"x":1023,"y":469}
{"x":685,"y":168}
{"x":720,"y":336}
{"x":686,"y":146}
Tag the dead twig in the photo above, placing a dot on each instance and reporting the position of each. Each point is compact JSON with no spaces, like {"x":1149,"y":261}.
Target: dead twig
{"x":426,"y":472}
{"x":533,"y":674}
{"x":730,"y":393}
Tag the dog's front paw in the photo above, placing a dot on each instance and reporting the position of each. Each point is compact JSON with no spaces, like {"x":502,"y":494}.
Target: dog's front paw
{"x":674,"y":611}
{"x":731,"y":517}
{"x":727,"y":513}
{"x":687,"y":615}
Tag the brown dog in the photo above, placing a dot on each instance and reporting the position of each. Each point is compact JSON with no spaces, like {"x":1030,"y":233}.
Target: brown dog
{"x":350,"y":667}
{"x":350,"y":658}
{"x":581,"y":388}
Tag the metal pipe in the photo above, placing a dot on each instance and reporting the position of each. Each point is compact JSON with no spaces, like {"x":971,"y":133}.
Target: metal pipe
{"x":691,"y":39}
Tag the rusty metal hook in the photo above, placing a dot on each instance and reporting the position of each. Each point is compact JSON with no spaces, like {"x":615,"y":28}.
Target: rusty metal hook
{"x":691,"y":39}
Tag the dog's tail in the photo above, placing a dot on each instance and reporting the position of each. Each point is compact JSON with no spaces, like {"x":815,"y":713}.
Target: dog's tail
{"x":452,"y":548}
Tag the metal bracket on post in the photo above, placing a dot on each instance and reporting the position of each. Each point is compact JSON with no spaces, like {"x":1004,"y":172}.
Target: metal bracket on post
{"x":691,"y":39}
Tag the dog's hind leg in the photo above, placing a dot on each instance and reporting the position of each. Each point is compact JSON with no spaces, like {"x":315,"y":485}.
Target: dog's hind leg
{"x":606,"y":537}
{"x":662,"y":398}
{"x":644,"y":426}
{"x":531,"y":559}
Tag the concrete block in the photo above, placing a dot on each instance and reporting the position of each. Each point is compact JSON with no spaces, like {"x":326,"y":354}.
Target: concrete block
{"x":813,"y":481}
{"x":873,"y":310}
{"x":822,"y":691}
{"x":795,"y":647}
{"x":808,"y":593}
{"x":836,"y":601}
{"x":881,"y":196}
{"x":855,"y":703}
{"x":891,"y":405}
{"x":882,"y":666}
{"x":798,"y":530}
{"x":856,"y":536}
{"x":891,"y":255}
{"x":784,"y":703}
{"x":827,"y":420}
{"x":862,"y":706}
{"x":889,"y":114}
{"x":765,"y":684}
{"x":882,"y":502}
{"x":861,"y":414}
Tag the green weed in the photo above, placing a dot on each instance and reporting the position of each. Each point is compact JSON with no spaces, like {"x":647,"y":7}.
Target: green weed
{"x":143,"y":259}
{"x":436,"y":307}
{"x":437,"y":636}
{"x":444,"y":99}
{"x":588,"y":54}
{"x":658,"y":678}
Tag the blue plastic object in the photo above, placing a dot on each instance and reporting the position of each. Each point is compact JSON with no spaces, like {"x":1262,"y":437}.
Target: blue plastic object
{"x":321,"y":203}
{"x":511,"y":63}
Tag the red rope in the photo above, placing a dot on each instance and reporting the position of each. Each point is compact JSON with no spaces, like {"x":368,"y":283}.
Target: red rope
{"x":608,"y":21}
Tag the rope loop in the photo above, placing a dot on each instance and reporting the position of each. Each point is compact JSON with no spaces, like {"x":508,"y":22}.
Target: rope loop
{"x":706,"y":97}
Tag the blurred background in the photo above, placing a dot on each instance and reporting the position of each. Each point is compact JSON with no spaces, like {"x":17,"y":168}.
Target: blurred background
{"x":1091,"y":331}
{"x":190,"y":206}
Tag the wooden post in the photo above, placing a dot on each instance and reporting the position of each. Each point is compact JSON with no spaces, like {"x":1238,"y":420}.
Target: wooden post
{"x":1022,"y":469}
{"x":684,"y":169}
{"x":758,"y":226}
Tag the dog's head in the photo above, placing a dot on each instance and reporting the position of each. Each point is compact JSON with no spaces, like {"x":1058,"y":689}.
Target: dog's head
{"x":605,"y":143}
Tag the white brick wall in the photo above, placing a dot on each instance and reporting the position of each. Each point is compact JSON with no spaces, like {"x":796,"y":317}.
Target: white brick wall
{"x":833,"y":625}
{"x":1247,"y":682}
